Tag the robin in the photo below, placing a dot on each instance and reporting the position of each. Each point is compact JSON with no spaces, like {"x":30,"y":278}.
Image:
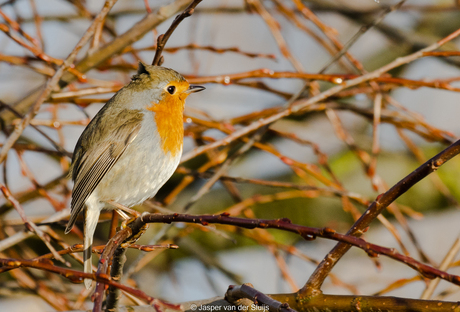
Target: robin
{"x":130,"y":149}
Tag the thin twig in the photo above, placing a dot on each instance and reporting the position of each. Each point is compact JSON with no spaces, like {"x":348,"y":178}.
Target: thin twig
{"x":361,"y":32}
{"x":382,"y":201}
{"x":55,"y":144}
{"x":30,"y":225}
{"x":104,"y":263}
{"x":50,"y":85}
{"x":136,"y":32}
{"x":162,"y":39}
{"x":320,"y":97}
{"x":446,"y":262}
{"x":77,"y":276}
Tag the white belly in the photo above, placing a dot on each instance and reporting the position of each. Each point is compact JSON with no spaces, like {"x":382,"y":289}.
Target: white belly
{"x":139,"y":173}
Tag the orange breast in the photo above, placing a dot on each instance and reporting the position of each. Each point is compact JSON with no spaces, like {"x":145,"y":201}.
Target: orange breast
{"x":169,"y":119}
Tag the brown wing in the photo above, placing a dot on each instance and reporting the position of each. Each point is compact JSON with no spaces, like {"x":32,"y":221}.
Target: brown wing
{"x":97,"y":151}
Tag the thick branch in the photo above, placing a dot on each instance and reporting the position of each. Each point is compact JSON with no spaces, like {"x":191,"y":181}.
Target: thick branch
{"x":308,"y":233}
{"x":235,"y":293}
{"x":382,"y":201}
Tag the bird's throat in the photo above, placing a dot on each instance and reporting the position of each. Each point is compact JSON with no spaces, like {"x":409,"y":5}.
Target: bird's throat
{"x":168,"y":115}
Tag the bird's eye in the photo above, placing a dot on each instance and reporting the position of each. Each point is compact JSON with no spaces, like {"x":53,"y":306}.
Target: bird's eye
{"x":171,"y":89}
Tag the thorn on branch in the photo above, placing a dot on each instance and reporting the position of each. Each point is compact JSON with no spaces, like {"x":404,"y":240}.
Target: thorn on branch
{"x":235,"y":294}
{"x":308,"y":237}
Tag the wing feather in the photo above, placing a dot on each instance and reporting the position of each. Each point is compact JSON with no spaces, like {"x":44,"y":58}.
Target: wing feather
{"x":105,"y":152}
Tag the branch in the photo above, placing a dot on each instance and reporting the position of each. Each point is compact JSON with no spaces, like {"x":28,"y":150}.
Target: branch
{"x":30,"y":225}
{"x":235,"y":293}
{"x":308,"y":233}
{"x":162,"y":39}
{"x":116,"y":248}
{"x":103,"y":265}
{"x":77,"y":276}
{"x":116,"y":46}
{"x":53,"y":82}
{"x":59,"y":148}
{"x":382,"y":201}
{"x":317,"y":98}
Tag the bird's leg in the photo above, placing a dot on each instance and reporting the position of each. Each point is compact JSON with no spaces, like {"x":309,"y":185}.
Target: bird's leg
{"x":122,"y":214}
{"x":122,"y":210}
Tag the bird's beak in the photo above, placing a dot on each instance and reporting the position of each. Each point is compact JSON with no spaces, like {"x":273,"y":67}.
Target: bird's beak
{"x":194,"y":89}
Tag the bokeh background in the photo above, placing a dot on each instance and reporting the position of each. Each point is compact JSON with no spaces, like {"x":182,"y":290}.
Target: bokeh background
{"x":211,"y":258}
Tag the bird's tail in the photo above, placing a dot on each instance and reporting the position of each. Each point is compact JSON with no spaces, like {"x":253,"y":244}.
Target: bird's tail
{"x":91,"y":218}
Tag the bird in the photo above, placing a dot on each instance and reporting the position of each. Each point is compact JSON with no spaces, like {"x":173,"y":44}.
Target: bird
{"x":130,"y":148}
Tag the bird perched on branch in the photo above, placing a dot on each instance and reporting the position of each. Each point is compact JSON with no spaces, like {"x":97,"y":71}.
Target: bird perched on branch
{"x":130,"y":148}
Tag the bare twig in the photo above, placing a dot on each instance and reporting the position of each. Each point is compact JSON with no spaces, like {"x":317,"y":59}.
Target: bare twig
{"x":55,"y":144}
{"x":320,"y":97}
{"x":77,"y":276}
{"x":104,"y":263}
{"x":374,"y":210}
{"x":308,"y":233}
{"x":19,"y":128}
{"x":162,"y":39}
{"x":30,"y":225}
{"x":361,"y":32}
{"x":276,"y":32}
{"x":105,"y":52}
{"x":446,"y":262}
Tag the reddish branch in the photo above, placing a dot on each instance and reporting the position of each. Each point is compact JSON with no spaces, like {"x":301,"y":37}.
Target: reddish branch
{"x":303,"y":104}
{"x":275,"y":29}
{"x":96,"y":249}
{"x":104,"y":262}
{"x":382,"y":201}
{"x":308,"y":233}
{"x":194,"y":46}
{"x":114,"y":253}
{"x":58,"y":147}
{"x":30,"y":225}
{"x":347,"y":85}
{"x":77,"y":277}
{"x":116,"y":272}
{"x":333,"y":78}
{"x":53,"y":82}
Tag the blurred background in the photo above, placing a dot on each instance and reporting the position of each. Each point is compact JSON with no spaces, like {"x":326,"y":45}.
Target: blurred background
{"x":252,"y":56}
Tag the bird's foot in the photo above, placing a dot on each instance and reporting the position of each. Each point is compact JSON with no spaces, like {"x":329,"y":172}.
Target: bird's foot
{"x":123,"y":210}
{"x":128,"y":214}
